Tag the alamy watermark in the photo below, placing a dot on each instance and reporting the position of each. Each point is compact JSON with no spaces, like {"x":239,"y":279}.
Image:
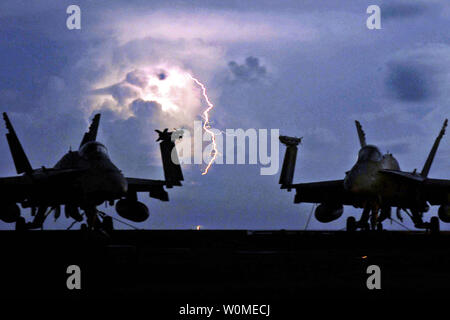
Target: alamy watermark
{"x":234,"y":146}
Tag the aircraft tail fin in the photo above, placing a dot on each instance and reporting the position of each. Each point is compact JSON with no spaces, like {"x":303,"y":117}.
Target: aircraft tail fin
{"x":290,"y":157}
{"x":91,"y":134}
{"x":429,"y":162}
{"x":18,"y":154}
{"x":171,"y":164}
{"x":361,"y":134}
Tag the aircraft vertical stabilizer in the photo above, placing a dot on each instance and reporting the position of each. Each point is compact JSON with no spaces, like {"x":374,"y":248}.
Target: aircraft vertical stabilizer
{"x":91,"y":135}
{"x":18,"y":154}
{"x":429,"y":162}
{"x":361,"y":134}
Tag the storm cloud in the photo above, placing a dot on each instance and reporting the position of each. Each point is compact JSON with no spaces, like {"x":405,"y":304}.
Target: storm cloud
{"x":326,"y":69}
{"x":393,"y":10}
{"x":411,"y":82}
{"x":250,"y":70}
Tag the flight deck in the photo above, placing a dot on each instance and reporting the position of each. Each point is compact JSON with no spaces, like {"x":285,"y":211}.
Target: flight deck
{"x":224,"y":265}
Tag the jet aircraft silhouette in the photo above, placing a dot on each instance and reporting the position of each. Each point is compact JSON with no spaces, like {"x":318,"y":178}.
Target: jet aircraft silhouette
{"x":81,"y":180}
{"x":376,"y":184}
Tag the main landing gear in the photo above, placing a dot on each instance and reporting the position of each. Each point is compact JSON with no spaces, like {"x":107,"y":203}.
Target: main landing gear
{"x":376,"y":221}
{"x":417,"y":217}
{"x":370,"y":220}
{"x":97,"y":220}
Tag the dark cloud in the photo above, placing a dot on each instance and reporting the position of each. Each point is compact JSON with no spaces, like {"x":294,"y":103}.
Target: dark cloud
{"x":142,"y":108}
{"x":410,"y":82}
{"x":137,"y":78}
{"x":121,"y":92}
{"x":402,"y":10}
{"x":251,"y":70}
{"x":127,"y":89}
{"x":128,"y":141}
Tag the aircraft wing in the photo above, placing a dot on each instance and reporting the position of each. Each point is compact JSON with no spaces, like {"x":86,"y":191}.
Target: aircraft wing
{"x":406,"y":176}
{"x":324,"y":191}
{"x":19,"y":188}
{"x":155,"y":188}
{"x":15,"y":189}
{"x":435,"y":191}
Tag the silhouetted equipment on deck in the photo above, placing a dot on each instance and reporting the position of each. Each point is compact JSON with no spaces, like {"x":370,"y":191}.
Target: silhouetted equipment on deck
{"x":287,"y":171}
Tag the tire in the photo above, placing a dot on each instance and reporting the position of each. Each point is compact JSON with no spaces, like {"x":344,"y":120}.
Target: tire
{"x":108,"y":225}
{"x":434,"y":225}
{"x":351,"y":224}
{"x":379,"y":226}
{"x":20,"y":224}
{"x":83,"y":227}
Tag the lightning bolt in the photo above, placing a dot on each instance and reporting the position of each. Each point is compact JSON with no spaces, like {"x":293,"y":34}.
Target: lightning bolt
{"x":206,"y":125}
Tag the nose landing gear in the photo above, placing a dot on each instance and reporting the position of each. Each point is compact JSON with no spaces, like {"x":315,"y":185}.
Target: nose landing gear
{"x":98,"y":220}
{"x":363,"y":223}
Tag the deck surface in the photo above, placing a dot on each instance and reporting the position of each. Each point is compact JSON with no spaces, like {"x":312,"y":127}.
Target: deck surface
{"x":217,"y":266}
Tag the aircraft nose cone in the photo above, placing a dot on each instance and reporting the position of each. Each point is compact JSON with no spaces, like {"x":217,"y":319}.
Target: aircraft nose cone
{"x":360,"y":183}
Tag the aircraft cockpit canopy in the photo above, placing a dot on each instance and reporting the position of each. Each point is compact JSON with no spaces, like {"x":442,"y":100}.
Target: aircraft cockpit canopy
{"x":93,"y":149}
{"x":369,"y":153}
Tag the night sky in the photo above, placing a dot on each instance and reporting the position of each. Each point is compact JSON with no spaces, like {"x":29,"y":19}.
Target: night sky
{"x":308,"y":68}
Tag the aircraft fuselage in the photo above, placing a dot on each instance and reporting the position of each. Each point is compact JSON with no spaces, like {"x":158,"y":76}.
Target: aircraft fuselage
{"x":95,"y":179}
{"x":365,"y":178}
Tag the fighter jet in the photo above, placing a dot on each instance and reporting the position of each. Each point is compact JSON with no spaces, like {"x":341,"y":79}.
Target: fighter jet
{"x":376,"y":184}
{"x":80,"y":181}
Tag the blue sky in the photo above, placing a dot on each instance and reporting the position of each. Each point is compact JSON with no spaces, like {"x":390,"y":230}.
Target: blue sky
{"x":322,"y":70}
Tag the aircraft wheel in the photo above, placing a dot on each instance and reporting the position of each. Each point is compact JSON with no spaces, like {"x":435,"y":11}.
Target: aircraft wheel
{"x":108,"y":224}
{"x":83,"y":227}
{"x":365,"y":226}
{"x":351,"y":224}
{"x":379,"y":226}
{"x":434,"y":225}
{"x":20,"y":224}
